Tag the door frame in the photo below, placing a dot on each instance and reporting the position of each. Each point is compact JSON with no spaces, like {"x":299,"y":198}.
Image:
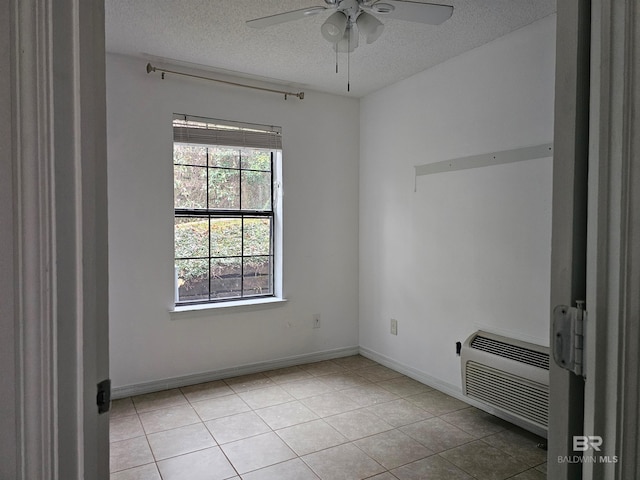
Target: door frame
{"x":57,"y":233}
{"x":613,"y":257}
{"x":608,"y":407}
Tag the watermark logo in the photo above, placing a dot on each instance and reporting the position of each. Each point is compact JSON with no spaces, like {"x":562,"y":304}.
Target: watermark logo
{"x":584,"y":443}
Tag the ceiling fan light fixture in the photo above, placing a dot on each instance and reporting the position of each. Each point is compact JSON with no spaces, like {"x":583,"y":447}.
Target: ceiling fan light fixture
{"x":349,"y":41}
{"x":370,"y":26}
{"x":382,"y":8}
{"x":334,"y":27}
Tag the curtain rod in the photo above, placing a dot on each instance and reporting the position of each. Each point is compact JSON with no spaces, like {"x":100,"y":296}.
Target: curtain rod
{"x":151,"y":68}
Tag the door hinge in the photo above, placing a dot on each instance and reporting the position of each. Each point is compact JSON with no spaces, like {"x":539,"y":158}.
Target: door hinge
{"x":103,"y":398}
{"x":569,"y":337}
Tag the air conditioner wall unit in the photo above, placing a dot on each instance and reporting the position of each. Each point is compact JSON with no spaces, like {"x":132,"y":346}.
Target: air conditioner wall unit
{"x":508,"y":376}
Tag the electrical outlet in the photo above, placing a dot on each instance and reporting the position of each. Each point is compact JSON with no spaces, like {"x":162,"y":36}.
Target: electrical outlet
{"x":394,"y":326}
{"x":316,"y":320}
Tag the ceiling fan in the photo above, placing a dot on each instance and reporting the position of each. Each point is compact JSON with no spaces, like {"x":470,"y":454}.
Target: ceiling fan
{"x":354,"y":17}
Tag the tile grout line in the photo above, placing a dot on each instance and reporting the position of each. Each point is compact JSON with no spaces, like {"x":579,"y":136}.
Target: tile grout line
{"x":331,"y":389}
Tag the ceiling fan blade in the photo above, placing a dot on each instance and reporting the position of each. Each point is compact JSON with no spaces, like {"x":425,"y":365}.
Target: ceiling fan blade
{"x":429,"y":13}
{"x":285,"y":17}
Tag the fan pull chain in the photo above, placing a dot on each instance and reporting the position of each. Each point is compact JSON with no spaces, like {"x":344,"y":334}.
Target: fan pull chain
{"x":336,"y":57}
{"x":349,"y":61}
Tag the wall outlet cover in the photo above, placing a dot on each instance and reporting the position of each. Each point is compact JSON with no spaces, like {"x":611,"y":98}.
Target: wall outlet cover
{"x":394,"y":326}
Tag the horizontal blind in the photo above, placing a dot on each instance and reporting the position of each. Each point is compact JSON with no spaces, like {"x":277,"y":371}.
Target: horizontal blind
{"x":207,"y":131}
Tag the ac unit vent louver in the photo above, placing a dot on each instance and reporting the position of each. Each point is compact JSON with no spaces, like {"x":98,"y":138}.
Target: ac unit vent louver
{"x":509,"y":376}
{"x":513,"y":352}
{"x":507,"y":392}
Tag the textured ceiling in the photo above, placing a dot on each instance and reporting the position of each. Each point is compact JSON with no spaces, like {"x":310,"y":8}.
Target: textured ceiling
{"x":212,"y":35}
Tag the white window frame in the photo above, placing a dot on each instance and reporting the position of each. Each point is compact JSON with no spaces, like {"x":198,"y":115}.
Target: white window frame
{"x":277,"y":283}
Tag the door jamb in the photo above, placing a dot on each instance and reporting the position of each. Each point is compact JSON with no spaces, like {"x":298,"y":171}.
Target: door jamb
{"x":59,"y":232}
{"x":613,"y":271}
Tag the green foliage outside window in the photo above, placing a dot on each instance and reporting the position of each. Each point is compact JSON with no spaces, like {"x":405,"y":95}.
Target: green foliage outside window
{"x":225,"y":178}
{"x":191,"y":240}
{"x":210,"y":178}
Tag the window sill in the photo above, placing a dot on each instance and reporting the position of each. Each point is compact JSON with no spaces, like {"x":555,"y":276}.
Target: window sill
{"x":252,"y":304}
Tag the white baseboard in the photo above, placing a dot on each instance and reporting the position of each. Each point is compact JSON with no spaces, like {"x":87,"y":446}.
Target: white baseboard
{"x":449,"y":389}
{"x":418,"y":375}
{"x":185,"y":380}
{"x":422,"y":377}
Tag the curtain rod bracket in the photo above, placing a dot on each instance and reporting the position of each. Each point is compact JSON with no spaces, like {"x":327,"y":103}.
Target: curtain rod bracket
{"x":151,"y":68}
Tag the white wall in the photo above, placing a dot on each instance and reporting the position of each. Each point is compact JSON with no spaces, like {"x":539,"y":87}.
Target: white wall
{"x":468,"y":249}
{"x":320,"y":176}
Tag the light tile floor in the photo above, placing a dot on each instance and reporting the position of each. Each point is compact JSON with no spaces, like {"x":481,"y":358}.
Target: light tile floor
{"x":342,"y":419}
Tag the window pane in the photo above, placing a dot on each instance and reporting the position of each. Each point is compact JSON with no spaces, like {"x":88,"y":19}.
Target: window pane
{"x":189,"y":154}
{"x":226,"y":237}
{"x":224,"y":189}
{"x":257,"y":236}
{"x":189,"y":187}
{"x":256,"y":159}
{"x":228,"y":157}
{"x":257,"y":276}
{"x":226,"y":277}
{"x":224,"y":221}
{"x":191,"y":237}
{"x":256,"y":190}
{"x":193,"y":280}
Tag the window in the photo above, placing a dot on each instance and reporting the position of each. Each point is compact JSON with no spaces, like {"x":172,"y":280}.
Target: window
{"x":225,"y":216}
